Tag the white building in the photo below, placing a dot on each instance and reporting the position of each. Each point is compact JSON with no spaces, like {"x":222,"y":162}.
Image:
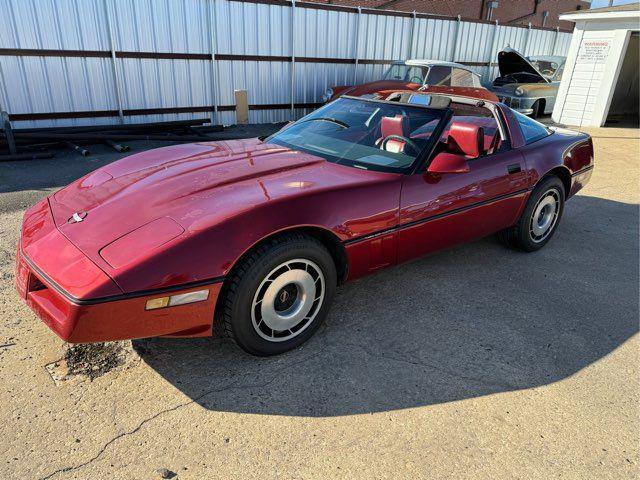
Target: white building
{"x":600,"y":81}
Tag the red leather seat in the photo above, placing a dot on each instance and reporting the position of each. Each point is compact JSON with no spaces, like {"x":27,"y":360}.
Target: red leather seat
{"x":397,"y":125}
{"x":488,"y":142}
{"x":466,"y":139}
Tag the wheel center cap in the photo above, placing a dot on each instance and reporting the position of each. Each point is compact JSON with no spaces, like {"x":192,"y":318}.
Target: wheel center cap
{"x":285,"y":298}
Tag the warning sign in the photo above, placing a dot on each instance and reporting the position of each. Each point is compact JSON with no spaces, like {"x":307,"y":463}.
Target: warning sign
{"x":593,"y":51}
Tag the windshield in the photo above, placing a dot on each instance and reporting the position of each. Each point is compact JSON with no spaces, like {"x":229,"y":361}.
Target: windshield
{"x":545,"y":66}
{"x":406,"y":73}
{"x":364,"y":134}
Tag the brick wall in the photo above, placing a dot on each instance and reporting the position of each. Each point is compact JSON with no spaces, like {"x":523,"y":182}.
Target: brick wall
{"x":517,"y":12}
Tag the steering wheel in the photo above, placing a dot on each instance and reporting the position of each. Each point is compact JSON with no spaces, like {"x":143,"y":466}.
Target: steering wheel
{"x":400,"y":138}
{"x":416,"y":78}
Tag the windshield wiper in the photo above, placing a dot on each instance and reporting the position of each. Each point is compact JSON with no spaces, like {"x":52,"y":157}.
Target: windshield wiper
{"x":328,"y":119}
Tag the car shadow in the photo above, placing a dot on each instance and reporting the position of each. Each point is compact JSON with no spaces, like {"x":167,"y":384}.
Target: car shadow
{"x":475,"y":320}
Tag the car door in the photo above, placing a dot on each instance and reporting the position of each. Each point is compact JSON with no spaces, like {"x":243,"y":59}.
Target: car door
{"x":439,"y":210}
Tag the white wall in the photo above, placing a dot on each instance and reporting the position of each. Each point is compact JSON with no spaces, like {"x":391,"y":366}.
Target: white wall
{"x":589,"y":79}
{"x":112,"y":79}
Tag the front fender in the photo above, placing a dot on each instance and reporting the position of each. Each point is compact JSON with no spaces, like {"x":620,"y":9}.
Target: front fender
{"x":211,"y":244}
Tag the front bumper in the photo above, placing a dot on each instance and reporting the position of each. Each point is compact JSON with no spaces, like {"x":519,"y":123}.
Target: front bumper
{"x":53,"y":290}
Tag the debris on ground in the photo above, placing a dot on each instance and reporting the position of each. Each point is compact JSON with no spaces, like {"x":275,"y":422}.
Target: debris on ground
{"x":36,"y":143}
{"x":92,"y":360}
{"x":165,"y":473}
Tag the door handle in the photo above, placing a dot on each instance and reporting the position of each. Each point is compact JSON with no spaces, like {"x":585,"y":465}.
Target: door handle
{"x":513,"y":168}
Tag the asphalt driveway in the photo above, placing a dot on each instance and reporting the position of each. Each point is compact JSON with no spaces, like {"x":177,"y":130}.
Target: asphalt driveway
{"x":476,"y":362}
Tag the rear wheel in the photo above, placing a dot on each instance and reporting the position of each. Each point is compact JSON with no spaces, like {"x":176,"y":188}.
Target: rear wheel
{"x":278,"y":296}
{"x":540,"y":218}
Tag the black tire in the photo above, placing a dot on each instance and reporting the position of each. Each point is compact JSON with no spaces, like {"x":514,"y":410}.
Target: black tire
{"x":522,"y":236}
{"x":236,"y":319}
{"x":536,"y":109}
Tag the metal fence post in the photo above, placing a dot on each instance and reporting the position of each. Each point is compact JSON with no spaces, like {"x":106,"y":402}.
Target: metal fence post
{"x":357,"y":49}
{"x":215,"y":76}
{"x":293,"y":59}
{"x":456,"y":41}
{"x":4,"y":96}
{"x":5,"y":127}
{"x":116,"y":76}
{"x":411,"y":34}
{"x":555,"y":41}
{"x":494,"y":41}
{"x":526,"y":40}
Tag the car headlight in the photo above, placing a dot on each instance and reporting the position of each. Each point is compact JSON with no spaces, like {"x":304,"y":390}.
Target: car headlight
{"x":327,"y":95}
{"x":519,"y":91}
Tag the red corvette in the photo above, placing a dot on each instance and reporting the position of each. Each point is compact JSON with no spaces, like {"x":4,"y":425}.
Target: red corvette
{"x":253,"y":236}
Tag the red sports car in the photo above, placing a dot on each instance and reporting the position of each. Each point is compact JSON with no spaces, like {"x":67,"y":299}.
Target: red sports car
{"x":253,"y":236}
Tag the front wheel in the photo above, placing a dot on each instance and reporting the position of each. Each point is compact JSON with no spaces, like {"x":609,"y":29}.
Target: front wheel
{"x":540,"y":218}
{"x":536,"y":109}
{"x":278,"y":296}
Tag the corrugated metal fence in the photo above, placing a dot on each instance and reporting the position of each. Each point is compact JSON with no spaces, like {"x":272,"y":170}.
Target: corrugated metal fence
{"x":79,"y":62}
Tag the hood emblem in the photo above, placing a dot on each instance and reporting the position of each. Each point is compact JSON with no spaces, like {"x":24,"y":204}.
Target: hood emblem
{"x":77,"y":217}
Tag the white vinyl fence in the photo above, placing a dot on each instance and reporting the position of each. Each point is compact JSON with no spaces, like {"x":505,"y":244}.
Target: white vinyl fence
{"x":83,"y":62}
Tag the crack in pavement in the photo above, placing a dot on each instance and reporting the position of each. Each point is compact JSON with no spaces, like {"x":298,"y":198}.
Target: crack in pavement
{"x":233,"y":385}
{"x":324,"y":337}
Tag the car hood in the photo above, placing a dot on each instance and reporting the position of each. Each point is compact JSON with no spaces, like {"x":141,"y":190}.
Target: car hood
{"x":508,"y":88}
{"x":167,"y":182}
{"x":511,"y":61}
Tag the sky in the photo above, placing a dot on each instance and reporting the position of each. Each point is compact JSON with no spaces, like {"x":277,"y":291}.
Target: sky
{"x":605,"y":3}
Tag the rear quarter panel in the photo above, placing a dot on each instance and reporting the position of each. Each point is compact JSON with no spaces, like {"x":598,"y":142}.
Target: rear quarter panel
{"x":564,"y":151}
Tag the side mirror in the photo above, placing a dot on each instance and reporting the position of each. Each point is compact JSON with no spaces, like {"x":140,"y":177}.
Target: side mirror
{"x":448,"y":163}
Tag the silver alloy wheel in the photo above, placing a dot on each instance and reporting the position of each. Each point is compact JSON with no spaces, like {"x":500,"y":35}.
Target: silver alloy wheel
{"x":287,"y":300}
{"x":545,"y":215}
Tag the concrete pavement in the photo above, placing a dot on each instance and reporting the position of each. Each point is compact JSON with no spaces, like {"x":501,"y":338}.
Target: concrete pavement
{"x":476,"y":362}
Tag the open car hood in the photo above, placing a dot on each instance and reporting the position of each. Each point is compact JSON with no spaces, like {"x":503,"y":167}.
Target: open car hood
{"x":510,"y":61}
